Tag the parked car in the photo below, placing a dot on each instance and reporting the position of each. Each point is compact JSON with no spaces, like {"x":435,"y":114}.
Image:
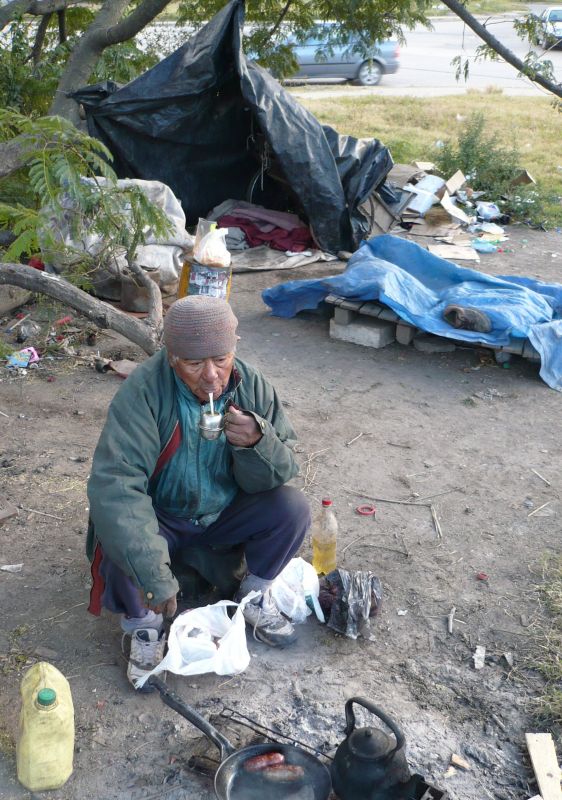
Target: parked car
{"x":318,"y":59}
{"x":550,"y":23}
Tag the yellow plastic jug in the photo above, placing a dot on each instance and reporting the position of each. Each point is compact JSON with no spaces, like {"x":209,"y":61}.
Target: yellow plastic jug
{"x":45,"y":746}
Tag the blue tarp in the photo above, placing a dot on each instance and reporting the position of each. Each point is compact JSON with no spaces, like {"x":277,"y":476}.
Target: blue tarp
{"x":418,"y":286}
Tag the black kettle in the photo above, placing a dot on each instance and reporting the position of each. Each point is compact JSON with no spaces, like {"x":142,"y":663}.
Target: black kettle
{"x":369,"y":764}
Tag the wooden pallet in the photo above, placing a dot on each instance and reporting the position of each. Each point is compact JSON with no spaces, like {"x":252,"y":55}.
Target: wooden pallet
{"x":352,"y":311}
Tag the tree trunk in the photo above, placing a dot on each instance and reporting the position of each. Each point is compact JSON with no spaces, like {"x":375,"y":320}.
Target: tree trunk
{"x":458,"y":8}
{"x":40,"y":38}
{"x":108,"y":28}
{"x":62,"y":26}
{"x":146,"y":335}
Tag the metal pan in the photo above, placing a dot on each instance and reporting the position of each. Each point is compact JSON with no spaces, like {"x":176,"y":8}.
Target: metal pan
{"x":232,"y":782}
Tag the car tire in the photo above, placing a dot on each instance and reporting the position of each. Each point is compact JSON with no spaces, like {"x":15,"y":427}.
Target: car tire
{"x":369,"y":73}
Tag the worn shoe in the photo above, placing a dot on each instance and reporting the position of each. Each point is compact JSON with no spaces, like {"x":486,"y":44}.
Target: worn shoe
{"x":150,"y":620}
{"x":268,"y":623}
{"x":147,"y":651}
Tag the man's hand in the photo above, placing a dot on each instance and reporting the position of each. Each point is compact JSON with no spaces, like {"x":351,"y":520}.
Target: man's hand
{"x":241,"y":428}
{"x":168,"y":608}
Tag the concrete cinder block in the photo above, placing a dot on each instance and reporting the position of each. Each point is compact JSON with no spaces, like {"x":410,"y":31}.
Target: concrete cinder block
{"x":405,"y":333}
{"x":530,"y":352}
{"x":368,"y":332}
{"x":343,"y":316}
{"x":428,"y":343}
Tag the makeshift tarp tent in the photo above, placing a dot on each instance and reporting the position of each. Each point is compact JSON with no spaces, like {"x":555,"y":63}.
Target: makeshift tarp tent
{"x":198,"y":122}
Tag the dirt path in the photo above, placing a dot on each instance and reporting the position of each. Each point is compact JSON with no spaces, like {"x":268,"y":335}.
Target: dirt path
{"x":431,"y":424}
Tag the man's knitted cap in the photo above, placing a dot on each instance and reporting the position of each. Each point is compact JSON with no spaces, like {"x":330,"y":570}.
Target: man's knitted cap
{"x":200,"y":327}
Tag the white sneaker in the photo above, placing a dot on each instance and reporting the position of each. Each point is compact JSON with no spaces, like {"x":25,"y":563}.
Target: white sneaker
{"x":150,"y":620}
{"x":267,"y":622}
{"x":147,"y":651}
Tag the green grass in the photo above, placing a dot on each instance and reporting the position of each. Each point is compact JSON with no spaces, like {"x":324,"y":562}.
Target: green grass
{"x":549,"y":663}
{"x":484,"y":7}
{"x":409,"y":127}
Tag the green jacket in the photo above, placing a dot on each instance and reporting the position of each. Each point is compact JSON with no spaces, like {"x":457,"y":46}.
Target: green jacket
{"x":140,"y":421}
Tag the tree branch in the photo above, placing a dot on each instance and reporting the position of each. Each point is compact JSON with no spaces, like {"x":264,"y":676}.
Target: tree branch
{"x":14,"y":154}
{"x":108,"y":28}
{"x":457,"y":7}
{"x":37,"y":8}
{"x":102,"y":314}
{"x":40,"y":38}
{"x":134,"y":22}
{"x":282,"y":15}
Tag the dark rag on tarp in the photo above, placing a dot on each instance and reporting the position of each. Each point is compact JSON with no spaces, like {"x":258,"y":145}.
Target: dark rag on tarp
{"x":418,"y":286}
{"x":193,"y":122}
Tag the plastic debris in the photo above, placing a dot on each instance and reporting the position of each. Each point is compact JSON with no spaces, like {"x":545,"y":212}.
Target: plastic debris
{"x":349,"y":600}
{"x":479,"y":657}
{"x":11,"y":567}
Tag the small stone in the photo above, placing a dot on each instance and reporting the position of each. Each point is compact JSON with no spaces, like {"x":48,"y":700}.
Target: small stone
{"x":460,"y":762}
{"x":46,"y":652}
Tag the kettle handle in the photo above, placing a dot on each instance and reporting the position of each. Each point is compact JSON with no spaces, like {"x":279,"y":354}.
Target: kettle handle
{"x":350,"y":721}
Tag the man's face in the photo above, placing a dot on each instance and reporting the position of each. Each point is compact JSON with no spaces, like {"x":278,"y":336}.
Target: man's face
{"x":204,"y":376}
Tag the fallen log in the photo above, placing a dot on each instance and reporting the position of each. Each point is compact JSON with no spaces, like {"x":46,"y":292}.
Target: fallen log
{"x":146,"y":335}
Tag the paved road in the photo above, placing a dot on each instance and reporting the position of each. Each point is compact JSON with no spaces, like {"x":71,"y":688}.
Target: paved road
{"x":425,"y":64}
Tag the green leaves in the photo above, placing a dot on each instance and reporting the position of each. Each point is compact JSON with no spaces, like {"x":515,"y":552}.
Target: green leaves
{"x":23,"y":223}
{"x":75,"y":197}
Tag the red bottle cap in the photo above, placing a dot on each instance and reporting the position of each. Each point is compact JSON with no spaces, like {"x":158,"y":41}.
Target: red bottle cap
{"x":326,"y":501}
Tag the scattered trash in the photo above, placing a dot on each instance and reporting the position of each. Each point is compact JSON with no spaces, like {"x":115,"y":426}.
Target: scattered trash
{"x":488,"y":211}
{"x":509,"y":659}
{"x":450,"y":772}
{"x":349,"y":600}
{"x":295,"y":591}
{"x":483,"y":246}
{"x":23,"y":358}
{"x":451,"y":619}
{"x":27,"y":330}
{"x":402,"y":612}
{"x":460,"y":762}
{"x":366,"y":510}
{"x":11,"y":567}
{"x":123,"y":368}
{"x":479,"y":657}
{"x":481,"y":576}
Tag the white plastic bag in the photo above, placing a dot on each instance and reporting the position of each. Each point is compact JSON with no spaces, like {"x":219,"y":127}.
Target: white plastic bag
{"x":210,"y":245}
{"x":207,"y":640}
{"x":295,"y":588}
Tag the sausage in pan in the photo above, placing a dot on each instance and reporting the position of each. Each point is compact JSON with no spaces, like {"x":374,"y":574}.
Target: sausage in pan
{"x":283,"y":773}
{"x":263,"y":761}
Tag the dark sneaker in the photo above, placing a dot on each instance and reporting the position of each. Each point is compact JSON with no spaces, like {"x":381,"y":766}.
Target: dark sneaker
{"x":147,"y":651}
{"x":268,"y":623}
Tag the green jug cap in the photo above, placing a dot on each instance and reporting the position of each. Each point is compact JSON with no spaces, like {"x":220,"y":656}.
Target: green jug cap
{"x":46,"y":697}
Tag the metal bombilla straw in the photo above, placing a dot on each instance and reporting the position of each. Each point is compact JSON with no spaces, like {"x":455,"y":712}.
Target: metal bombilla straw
{"x":211,"y":423}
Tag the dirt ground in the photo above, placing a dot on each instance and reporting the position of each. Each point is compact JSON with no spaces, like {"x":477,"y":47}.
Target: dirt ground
{"x":452,"y":425}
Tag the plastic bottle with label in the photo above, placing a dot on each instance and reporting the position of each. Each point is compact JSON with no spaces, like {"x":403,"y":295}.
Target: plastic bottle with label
{"x":45,"y":746}
{"x":324,"y":536}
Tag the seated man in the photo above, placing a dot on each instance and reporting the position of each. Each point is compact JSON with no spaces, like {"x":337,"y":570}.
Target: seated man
{"x":157,"y":486}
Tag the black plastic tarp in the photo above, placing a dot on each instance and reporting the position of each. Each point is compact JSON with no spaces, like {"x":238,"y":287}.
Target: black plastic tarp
{"x":192,"y":122}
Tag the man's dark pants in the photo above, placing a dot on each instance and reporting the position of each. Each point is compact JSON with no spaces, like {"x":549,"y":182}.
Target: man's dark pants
{"x":271,"y":525}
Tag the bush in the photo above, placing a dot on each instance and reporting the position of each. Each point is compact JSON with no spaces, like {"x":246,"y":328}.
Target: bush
{"x":488,"y":166}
